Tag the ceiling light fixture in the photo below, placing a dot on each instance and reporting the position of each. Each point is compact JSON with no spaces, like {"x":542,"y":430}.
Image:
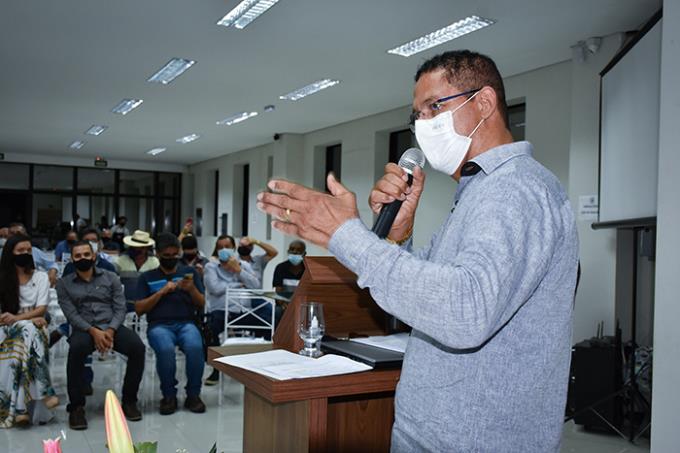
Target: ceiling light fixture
{"x":453,"y":31}
{"x":237,"y":118}
{"x":126,"y":106}
{"x":77,"y":144}
{"x":172,"y":69}
{"x":96,"y":129}
{"x":246,"y":12}
{"x":188,"y":139}
{"x":155,"y":151}
{"x":312,"y":88}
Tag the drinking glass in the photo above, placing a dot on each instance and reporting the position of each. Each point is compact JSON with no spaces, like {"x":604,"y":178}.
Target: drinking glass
{"x":311,"y":327}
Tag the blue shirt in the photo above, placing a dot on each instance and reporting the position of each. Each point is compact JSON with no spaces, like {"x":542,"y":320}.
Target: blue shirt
{"x":174,"y":306}
{"x":101,"y":263}
{"x":490,"y":301}
{"x":217,"y":280}
{"x":42,"y":261}
{"x":61,"y":248}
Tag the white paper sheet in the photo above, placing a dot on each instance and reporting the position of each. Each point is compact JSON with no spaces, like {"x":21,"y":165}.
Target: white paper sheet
{"x":396,"y":342}
{"x":282,"y":365}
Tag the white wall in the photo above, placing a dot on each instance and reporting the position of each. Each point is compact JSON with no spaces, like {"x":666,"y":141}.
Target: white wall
{"x":666,"y":397}
{"x":596,"y":294}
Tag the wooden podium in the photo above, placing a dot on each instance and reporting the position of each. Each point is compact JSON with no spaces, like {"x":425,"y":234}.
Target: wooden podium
{"x":352,"y":412}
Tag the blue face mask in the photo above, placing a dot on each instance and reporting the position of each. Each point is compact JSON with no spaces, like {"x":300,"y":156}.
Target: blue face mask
{"x":225,"y":254}
{"x":294,"y":259}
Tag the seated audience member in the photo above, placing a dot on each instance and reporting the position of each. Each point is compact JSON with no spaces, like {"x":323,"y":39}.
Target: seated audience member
{"x":136,"y":259}
{"x":24,"y":370}
{"x":41,"y":261}
{"x":226,"y":271}
{"x":259,"y":261}
{"x":172,"y":296}
{"x":109,"y":246}
{"x":287,"y":274}
{"x":91,"y":236}
{"x":65,"y":245}
{"x":119,"y":231}
{"x":191,"y":256}
{"x":92,"y":301}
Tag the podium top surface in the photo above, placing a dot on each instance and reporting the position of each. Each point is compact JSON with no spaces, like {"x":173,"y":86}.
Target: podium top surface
{"x":275,"y":391}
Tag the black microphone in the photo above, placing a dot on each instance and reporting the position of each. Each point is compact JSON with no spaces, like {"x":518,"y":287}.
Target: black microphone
{"x":411,"y":158}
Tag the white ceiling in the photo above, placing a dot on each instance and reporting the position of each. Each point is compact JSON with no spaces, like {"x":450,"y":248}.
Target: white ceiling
{"x":65,"y":64}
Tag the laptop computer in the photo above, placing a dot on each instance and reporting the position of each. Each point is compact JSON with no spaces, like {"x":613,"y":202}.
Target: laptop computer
{"x":378,"y":358}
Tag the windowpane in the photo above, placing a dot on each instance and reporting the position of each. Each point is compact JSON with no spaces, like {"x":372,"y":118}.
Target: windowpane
{"x":96,"y":180}
{"x":52,"y":214}
{"x":139,"y":213}
{"x":333,"y":162}
{"x":14,"y":176}
{"x":52,"y":178}
{"x":170,"y":217}
{"x":400,"y":141}
{"x":517,"y":116}
{"x":136,"y":183}
{"x":95,"y":210}
{"x":168,"y":184}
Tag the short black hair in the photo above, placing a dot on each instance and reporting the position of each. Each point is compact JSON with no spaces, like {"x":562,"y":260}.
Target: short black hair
{"x":80,"y":243}
{"x":189,"y":242}
{"x":87,"y":231}
{"x":220,"y":238}
{"x":469,"y":70}
{"x":165,"y":241}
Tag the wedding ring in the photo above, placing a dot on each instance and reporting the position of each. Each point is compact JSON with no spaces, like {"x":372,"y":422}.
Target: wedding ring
{"x":287,"y":219}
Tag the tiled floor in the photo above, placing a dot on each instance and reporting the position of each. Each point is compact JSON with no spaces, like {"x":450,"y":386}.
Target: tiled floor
{"x":196,"y":433}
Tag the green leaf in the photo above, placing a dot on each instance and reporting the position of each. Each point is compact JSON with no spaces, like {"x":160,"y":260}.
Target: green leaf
{"x":214,"y":448}
{"x":146,"y":447}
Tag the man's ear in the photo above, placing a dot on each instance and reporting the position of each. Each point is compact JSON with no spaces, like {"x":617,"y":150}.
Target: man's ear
{"x":486,"y":102}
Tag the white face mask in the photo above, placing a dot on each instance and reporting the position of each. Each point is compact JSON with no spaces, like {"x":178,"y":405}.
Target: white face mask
{"x":444,"y":148}
{"x":95,"y":246}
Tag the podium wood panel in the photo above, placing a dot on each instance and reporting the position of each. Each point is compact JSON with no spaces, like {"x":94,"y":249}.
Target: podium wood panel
{"x":350,"y":412}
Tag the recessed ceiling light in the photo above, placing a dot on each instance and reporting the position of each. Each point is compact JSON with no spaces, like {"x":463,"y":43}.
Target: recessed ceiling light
{"x":237,"y":118}
{"x":96,"y":129}
{"x":453,"y":31}
{"x":173,"y":69}
{"x":155,"y":151}
{"x":309,"y":89}
{"x":246,"y":12}
{"x":77,"y":144}
{"x":188,"y":138}
{"x":126,"y":106}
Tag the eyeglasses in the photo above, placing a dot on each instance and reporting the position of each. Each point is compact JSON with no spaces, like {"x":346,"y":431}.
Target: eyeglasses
{"x":436,"y":107}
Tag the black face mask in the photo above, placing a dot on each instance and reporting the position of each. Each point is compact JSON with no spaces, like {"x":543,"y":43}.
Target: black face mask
{"x":70,"y":241}
{"x":168,"y":263}
{"x":24,"y":260}
{"x":244,"y":250}
{"x":83,"y":265}
{"x":189,"y":256}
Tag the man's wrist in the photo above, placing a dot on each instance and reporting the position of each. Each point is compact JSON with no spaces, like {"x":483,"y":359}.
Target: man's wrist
{"x":404,"y":237}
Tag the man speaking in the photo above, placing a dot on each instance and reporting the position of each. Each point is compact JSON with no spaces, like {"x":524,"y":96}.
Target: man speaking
{"x":490,"y":297}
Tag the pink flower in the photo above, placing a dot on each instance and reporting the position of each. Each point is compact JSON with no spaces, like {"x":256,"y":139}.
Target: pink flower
{"x":52,"y":445}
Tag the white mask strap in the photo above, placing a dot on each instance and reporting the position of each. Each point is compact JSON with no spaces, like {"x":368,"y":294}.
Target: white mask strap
{"x":475,"y":129}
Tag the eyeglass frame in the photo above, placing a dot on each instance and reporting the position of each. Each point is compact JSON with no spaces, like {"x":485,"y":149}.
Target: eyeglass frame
{"x":415,"y":115}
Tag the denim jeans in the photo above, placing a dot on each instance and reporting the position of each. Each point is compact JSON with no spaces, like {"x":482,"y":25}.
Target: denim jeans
{"x":163,"y":338}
